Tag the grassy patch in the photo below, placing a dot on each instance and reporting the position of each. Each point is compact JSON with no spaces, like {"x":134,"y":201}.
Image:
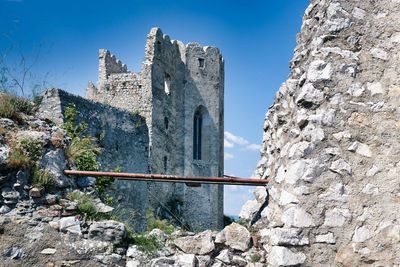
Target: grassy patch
{"x":86,"y":207}
{"x":25,"y":152}
{"x":42,"y":178}
{"x":18,"y":160}
{"x":103,"y":183}
{"x":11,"y":106}
{"x":31,"y":147}
{"x":147,"y":244}
{"x":82,"y":152}
{"x":153,"y":223}
{"x":73,"y":128}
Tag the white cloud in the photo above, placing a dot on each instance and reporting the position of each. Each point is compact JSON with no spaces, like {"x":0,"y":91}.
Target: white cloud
{"x":228,"y":156}
{"x":235,"y":139}
{"x":227,"y":143}
{"x":231,"y":139}
{"x":254,"y":147}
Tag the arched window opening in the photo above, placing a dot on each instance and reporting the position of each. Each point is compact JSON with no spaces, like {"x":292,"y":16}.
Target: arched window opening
{"x":165,"y":164}
{"x":167,"y":83}
{"x":166,"y":123}
{"x":197,"y":129}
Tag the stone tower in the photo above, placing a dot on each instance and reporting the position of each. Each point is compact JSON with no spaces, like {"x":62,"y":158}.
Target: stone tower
{"x":331,"y":142}
{"x":180,"y":93}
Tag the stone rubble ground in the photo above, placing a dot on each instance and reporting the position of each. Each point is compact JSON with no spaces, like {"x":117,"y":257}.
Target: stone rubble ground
{"x":40,"y":228}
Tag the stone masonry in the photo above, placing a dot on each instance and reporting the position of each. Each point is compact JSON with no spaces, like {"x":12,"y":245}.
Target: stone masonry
{"x":179,"y":86}
{"x":331,"y":142}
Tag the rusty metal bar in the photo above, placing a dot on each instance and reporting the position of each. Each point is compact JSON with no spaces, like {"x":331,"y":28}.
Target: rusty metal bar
{"x":172,"y":178}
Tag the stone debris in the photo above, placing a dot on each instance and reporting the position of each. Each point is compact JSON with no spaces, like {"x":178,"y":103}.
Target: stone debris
{"x":235,"y":236}
{"x":360,"y":148}
{"x":199,"y":244}
{"x":70,"y":225}
{"x":48,"y":251}
{"x":186,"y":260}
{"x":36,"y":192}
{"x":14,"y":253}
{"x":109,"y":231}
{"x":224,"y":256}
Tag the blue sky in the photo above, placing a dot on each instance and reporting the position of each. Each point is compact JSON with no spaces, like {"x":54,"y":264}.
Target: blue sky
{"x":256,"y":38}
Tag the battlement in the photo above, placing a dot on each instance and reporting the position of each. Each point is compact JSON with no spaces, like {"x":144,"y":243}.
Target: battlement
{"x":109,"y":64}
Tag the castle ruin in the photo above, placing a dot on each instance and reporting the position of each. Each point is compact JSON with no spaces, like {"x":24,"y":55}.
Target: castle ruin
{"x":179,"y":94}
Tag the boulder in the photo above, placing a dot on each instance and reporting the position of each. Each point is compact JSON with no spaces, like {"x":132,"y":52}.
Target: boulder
{"x":70,"y":225}
{"x":186,"y":260}
{"x":36,"y":192}
{"x":10,"y":196}
{"x":199,"y":244}
{"x":109,"y":231}
{"x":235,"y":236}
{"x":224,"y":256}
{"x":55,"y":163}
{"x":249,"y":209}
{"x":203,"y":261}
{"x":158,"y":234}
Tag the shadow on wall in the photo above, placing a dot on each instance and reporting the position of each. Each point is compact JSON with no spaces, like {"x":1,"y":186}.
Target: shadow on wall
{"x":123,"y":139}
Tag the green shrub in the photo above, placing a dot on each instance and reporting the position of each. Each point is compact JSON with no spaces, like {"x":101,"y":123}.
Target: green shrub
{"x":10,"y":106}
{"x":118,"y":169}
{"x":74,"y":195}
{"x":147,"y":244}
{"x":71,"y":126}
{"x":31,"y":147}
{"x":103,"y":183}
{"x":18,"y":160}
{"x":86,"y":207}
{"x":24,"y":152}
{"x":42,"y":178}
{"x":83,"y":153}
{"x":255,"y":257}
{"x":153,"y":223}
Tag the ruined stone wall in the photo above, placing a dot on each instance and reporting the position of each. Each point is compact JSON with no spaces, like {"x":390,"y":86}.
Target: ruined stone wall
{"x":120,"y":88}
{"x":123,"y":140}
{"x":331,"y":141}
{"x":171,"y":86}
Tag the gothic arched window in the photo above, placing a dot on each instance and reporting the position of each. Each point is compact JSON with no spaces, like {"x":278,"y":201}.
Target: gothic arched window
{"x":197,"y":131}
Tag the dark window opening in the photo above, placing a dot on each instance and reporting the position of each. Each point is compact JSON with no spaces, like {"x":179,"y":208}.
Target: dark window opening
{"x":201,"y":62}
{"x":166,"y":123}
{"x":165,"y":164}
{"x":197,"y":127}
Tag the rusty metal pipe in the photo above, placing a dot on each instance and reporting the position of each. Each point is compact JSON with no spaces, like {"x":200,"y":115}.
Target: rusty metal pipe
{"x":172,"y":178}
